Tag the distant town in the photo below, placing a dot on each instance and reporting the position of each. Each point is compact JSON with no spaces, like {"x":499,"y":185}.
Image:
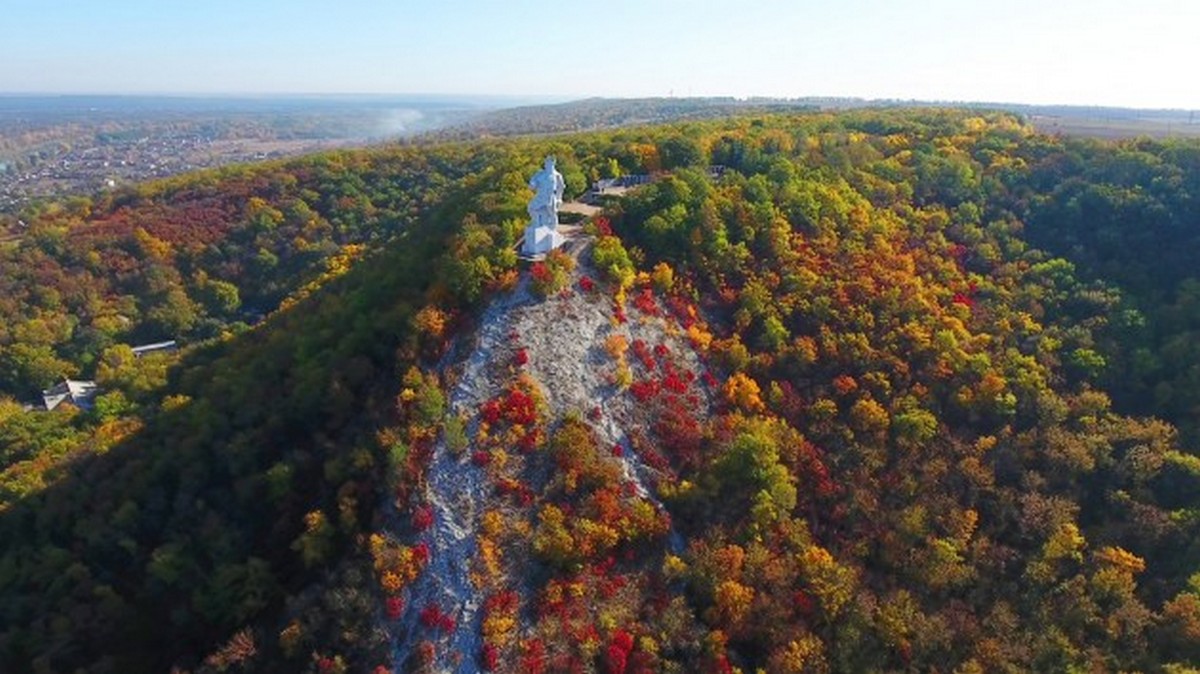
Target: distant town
{"x":60,"y":145}
{"x":117,"y":160}
{"x":113,"y":162}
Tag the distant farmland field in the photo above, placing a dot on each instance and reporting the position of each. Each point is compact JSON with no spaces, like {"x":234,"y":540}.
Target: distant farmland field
{"x":1102,"y":126}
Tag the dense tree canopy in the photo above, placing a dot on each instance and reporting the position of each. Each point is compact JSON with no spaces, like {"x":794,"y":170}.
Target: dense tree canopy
{"x":947,"y":359}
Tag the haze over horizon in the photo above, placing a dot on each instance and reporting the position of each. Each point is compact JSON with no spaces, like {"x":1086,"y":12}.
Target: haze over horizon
{"x":1072,"y":52}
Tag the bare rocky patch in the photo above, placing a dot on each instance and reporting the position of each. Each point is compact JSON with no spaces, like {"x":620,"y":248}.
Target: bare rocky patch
{"x":561,"y":344}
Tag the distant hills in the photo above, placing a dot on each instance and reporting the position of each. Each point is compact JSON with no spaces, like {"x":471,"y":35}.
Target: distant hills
{"x":80,"y":144}
{"x":599,"y":113}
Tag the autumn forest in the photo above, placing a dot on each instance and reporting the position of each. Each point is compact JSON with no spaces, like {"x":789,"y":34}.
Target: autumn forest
{"x":896,"y":390}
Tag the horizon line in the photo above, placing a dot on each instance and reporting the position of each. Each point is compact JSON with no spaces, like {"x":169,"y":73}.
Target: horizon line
{"x":545,"y":99}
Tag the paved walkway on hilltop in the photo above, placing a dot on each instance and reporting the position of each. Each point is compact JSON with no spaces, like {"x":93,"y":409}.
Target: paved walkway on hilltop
{"x":579,"y":207}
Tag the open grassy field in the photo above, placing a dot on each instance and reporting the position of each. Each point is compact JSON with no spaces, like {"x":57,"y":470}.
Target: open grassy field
{"x":1114,"y":126}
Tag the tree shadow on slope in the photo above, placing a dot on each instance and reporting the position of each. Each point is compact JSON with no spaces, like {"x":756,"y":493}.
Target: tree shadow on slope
{"x":255,"y":471}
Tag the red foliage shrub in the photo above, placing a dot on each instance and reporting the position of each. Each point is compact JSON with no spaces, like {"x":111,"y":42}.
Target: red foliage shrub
{"x":616,"y":656}
{"x":788,"y":404}
{"x":490,"y":411}
{"x":422,"y":518}
{"x":481,"y":458}
{"x":684,"y":377}
{"x":505,"y":601}
{"x":530,"y":440}
{"x":679,"y":433}
{"x":844,"y":383}
{"x":521,"y":357}
{"x":491,"y":657}
{"x":515,"y":407}
{"x":539,"y":272}
{"x":421,"y":553}
{"x":533,"y":657}
{"x":394,"y":607}
{"x":433,"y":617}
{"x":622,"y":640}
{"x":819,"y":474}
{"x":414,"y":469}
{"x":644,"y":390}
{"x":610,"y":586}
{"x":617,"y":450}
{"x":615,"y":660}
{"x":655,"y":460}
{"x":603,"y":226}
{"x":604,"y":506}
{"x":683,"y":312}
{"x":586,"y":284}
{"x":644,"y":302}
{"x":967,"y":298}
{"x":674,"y":384}
{"x":519,"y":408}
{"x":642,"y":352}
{"x":708,"y":379}
{"x":425,"y":653}
{"x":605,"y":567}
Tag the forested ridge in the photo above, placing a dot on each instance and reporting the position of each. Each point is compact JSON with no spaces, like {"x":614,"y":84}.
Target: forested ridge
{"x":953,"y":365}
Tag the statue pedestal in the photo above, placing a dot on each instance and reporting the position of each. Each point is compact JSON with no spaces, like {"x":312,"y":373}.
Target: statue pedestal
{"x":540,"y":240}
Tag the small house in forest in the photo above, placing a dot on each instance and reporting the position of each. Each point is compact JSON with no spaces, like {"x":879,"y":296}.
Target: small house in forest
{"x":168,"y":346}
{"x":79,"y":393}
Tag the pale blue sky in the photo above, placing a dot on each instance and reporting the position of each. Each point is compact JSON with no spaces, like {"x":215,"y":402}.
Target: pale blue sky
{"x":1139,"y":54}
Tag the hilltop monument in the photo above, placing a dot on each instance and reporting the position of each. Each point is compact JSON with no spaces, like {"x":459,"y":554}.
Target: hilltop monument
{"x":542,"y":236}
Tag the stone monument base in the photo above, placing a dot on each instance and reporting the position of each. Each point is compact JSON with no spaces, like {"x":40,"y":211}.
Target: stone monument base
{"x":540,"y":240}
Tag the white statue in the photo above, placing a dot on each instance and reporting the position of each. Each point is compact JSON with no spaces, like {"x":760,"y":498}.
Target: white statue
{"x":549,"y":185}
{"x":542,"y":236}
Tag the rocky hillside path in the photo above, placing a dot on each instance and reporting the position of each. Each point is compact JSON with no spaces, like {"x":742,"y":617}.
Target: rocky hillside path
{"x":564,"y":338}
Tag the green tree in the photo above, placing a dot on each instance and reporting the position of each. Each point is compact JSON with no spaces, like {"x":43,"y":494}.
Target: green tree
{"x":30,"y":368}
{"x":680,"y":151}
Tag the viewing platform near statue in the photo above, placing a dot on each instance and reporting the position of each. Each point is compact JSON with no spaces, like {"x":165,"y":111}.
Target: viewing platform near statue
{"x":573,"y":237}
